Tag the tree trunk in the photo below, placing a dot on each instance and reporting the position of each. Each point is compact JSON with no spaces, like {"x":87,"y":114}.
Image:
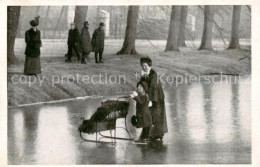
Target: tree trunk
{"x":66,"y":16}
{"x":98,"y":16}
{"x":172,"y":41}
{"x":47,"y":15}
{"x":37,"y":11}
{"x":206,"y":43}
{"x":46,"y":24}
{"x":80,"y":16}
{"x":234,"y":43}
{"x":116,"y":26}
{"x":58,"y":22}
{"x":130,"y":33}
{"x":13,"y":14}
{"x":181,"y":39}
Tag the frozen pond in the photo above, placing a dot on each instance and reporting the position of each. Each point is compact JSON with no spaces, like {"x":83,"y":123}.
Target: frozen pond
{"x":208,"y":123}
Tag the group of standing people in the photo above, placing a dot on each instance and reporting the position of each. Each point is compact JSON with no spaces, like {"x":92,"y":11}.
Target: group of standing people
{"x":82,"y":42}
{"x":150,"y":105}
{"x":76,"y":41}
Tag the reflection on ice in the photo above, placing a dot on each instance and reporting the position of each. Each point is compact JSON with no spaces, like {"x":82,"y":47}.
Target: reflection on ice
{"x":221,"y":118}
{"x":208,"y":123}
{"x":19,"y":134}
{"x":195,"y":114}
{"x":54,"y":137}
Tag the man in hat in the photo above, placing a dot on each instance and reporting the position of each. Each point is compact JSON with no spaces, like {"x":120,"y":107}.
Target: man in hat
{"x":73,"y":42}
{"x":32,"y":65}
{"x":85,"y":43}
{"x":98,"y":42}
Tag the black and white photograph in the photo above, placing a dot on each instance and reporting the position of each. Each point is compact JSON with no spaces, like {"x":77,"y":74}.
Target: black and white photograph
{"x":129,"y":84}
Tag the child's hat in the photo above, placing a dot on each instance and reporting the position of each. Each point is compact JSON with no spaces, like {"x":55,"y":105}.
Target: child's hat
{"x":144,"y":85}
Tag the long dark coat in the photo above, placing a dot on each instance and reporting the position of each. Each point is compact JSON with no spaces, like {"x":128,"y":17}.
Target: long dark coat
{"x":142,"y":111}
{"x":33,"y":42}
{"x":86,"y":46}
{"x":98,"y":39}
{"x":74,"y":37}
{"x":158,"y":111}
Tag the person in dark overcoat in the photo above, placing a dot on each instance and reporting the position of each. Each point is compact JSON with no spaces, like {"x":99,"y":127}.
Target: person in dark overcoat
{"x":143,"y":114}
{"x":156,"y":97}
{"x":73,"y":42}
{"x":98,"y":39}
{"x":32,"y":65}
{"x":86,"y":46}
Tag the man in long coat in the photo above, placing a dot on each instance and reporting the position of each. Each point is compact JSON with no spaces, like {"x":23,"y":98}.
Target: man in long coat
{"x":85,"y":43}
{"x":32,"y":65}
{"x":98,"y":42}
{"x":73,"y":42}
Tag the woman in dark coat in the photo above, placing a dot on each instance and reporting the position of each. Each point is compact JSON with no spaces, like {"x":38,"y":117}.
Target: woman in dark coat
{"x":156,"y":96}
{"x":32,"y":65}
{"x":85,"y":43}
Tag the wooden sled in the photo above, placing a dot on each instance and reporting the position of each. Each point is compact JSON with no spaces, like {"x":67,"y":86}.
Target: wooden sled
{"x":104,"y":119}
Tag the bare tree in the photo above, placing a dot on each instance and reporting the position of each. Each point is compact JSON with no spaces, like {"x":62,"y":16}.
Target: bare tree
{"x":98,"y":15}
{"x":207,"y":29}
{"x":37,"y":11}
{"x":172,"y":41}
{"x":46,"y":20}
{"x":47,"y":15}
{"x":58,"y":22}
{"x":80,"y":16}
{"x":181,"y":39}
{"x":13,"y":15}
{"x":248,"y":7}
{"x":130,"y":33}
{"x":234,"y":43}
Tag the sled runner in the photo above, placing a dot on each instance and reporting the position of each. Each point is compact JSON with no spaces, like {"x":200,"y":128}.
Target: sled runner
{"x":104,"y":119}
{"x":140,"y":142}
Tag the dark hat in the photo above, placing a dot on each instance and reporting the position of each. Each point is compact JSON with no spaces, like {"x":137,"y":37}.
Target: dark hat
{"x":35,"y":22}
{"x":146,"y":60}
{"x":86,"y":23}
{"x":144,"y":85}
{"x":101,"y":24}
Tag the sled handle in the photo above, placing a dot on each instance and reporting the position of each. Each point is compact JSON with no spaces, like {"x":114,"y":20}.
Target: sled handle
{"x":123,"y":97}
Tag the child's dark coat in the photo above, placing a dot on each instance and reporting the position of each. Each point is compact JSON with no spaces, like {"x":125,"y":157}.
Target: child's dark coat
{"x":143,"y":114}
